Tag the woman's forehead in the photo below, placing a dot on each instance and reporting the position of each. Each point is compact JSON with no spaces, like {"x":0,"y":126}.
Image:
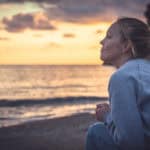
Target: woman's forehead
{"x":114,"y":28}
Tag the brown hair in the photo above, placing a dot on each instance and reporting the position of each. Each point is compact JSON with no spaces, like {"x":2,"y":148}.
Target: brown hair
{"x":138,"y":33}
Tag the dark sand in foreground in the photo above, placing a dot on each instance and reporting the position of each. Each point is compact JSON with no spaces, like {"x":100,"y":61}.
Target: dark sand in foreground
{"x":67,"y":133}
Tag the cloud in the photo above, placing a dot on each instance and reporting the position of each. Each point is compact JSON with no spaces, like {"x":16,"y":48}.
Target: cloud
{"x":54,"y":45}
{"x":23,"y":1}
{"x":37,"y":35}
{"x":69,"y":35}
{"x":99,"y":31}
{"x":20,"y":22}
{"x":87,"y":11}
{"x":4,"y":39}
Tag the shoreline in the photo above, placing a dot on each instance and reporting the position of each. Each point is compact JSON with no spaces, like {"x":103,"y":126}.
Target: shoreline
{"x":18,"y":112}
{"x":64,"y":133}
{"x":51,"y":101}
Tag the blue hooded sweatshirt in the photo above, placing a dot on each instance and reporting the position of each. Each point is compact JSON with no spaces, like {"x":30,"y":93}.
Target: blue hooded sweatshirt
{"x":128,"y":121}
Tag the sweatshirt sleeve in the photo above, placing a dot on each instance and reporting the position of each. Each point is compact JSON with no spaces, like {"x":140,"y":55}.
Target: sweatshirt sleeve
{"x":124,"y":122}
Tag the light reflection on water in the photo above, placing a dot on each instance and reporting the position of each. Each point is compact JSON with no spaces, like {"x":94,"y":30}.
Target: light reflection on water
{"x":39,"y":82}
{"x":48,"y":82}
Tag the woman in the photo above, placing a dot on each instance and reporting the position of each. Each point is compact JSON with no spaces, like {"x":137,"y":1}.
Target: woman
{"x":125,"y":123}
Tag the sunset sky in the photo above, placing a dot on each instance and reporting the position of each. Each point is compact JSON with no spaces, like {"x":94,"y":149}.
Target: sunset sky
{"x":59,"y":31}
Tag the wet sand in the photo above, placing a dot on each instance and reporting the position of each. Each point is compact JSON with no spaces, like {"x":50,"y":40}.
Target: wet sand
{"x":66,"y":133}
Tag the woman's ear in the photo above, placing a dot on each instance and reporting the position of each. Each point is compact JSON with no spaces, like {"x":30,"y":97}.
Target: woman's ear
{"x":127,"y":47}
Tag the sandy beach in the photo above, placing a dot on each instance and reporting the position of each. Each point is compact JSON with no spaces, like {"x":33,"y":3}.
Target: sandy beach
{"x":65,"y":133}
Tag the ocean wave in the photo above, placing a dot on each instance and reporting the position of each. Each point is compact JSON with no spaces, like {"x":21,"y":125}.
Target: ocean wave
{"x":50,"y":101}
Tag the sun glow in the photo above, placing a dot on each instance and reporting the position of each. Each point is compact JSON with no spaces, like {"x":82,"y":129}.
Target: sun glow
{"x":67,"y":43}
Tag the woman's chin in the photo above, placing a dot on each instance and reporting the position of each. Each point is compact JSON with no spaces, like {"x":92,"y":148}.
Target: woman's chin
{"x":105,"y":61}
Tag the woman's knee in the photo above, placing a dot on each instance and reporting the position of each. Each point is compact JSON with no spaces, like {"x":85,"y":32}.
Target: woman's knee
{"x":98,"y":138}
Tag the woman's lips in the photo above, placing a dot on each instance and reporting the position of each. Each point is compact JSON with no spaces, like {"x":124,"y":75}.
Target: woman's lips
{"x":102,"y":49}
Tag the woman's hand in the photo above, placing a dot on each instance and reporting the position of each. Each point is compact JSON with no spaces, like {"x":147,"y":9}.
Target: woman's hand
{"x":101,"y":110}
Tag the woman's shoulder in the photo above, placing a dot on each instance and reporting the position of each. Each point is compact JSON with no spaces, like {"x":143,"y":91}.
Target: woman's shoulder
{"x":131,"y":70}
{"x":134,"y":67}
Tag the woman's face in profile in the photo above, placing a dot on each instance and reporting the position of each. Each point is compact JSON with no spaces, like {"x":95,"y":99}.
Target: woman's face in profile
{"x":112,"y":45}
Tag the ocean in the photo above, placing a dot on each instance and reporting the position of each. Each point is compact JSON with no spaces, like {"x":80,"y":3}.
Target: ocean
{"x":35,"y":92}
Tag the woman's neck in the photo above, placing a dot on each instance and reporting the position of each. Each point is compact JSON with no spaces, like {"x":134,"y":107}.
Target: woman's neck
{"x":118,"y":63}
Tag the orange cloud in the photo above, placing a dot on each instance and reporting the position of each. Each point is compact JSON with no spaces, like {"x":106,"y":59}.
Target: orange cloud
{"x":54,"y":45}
{"x":38,"y":35}
{"x":69,"y":35}
{"x":99,"y":31}
{"x":4,"y":38}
